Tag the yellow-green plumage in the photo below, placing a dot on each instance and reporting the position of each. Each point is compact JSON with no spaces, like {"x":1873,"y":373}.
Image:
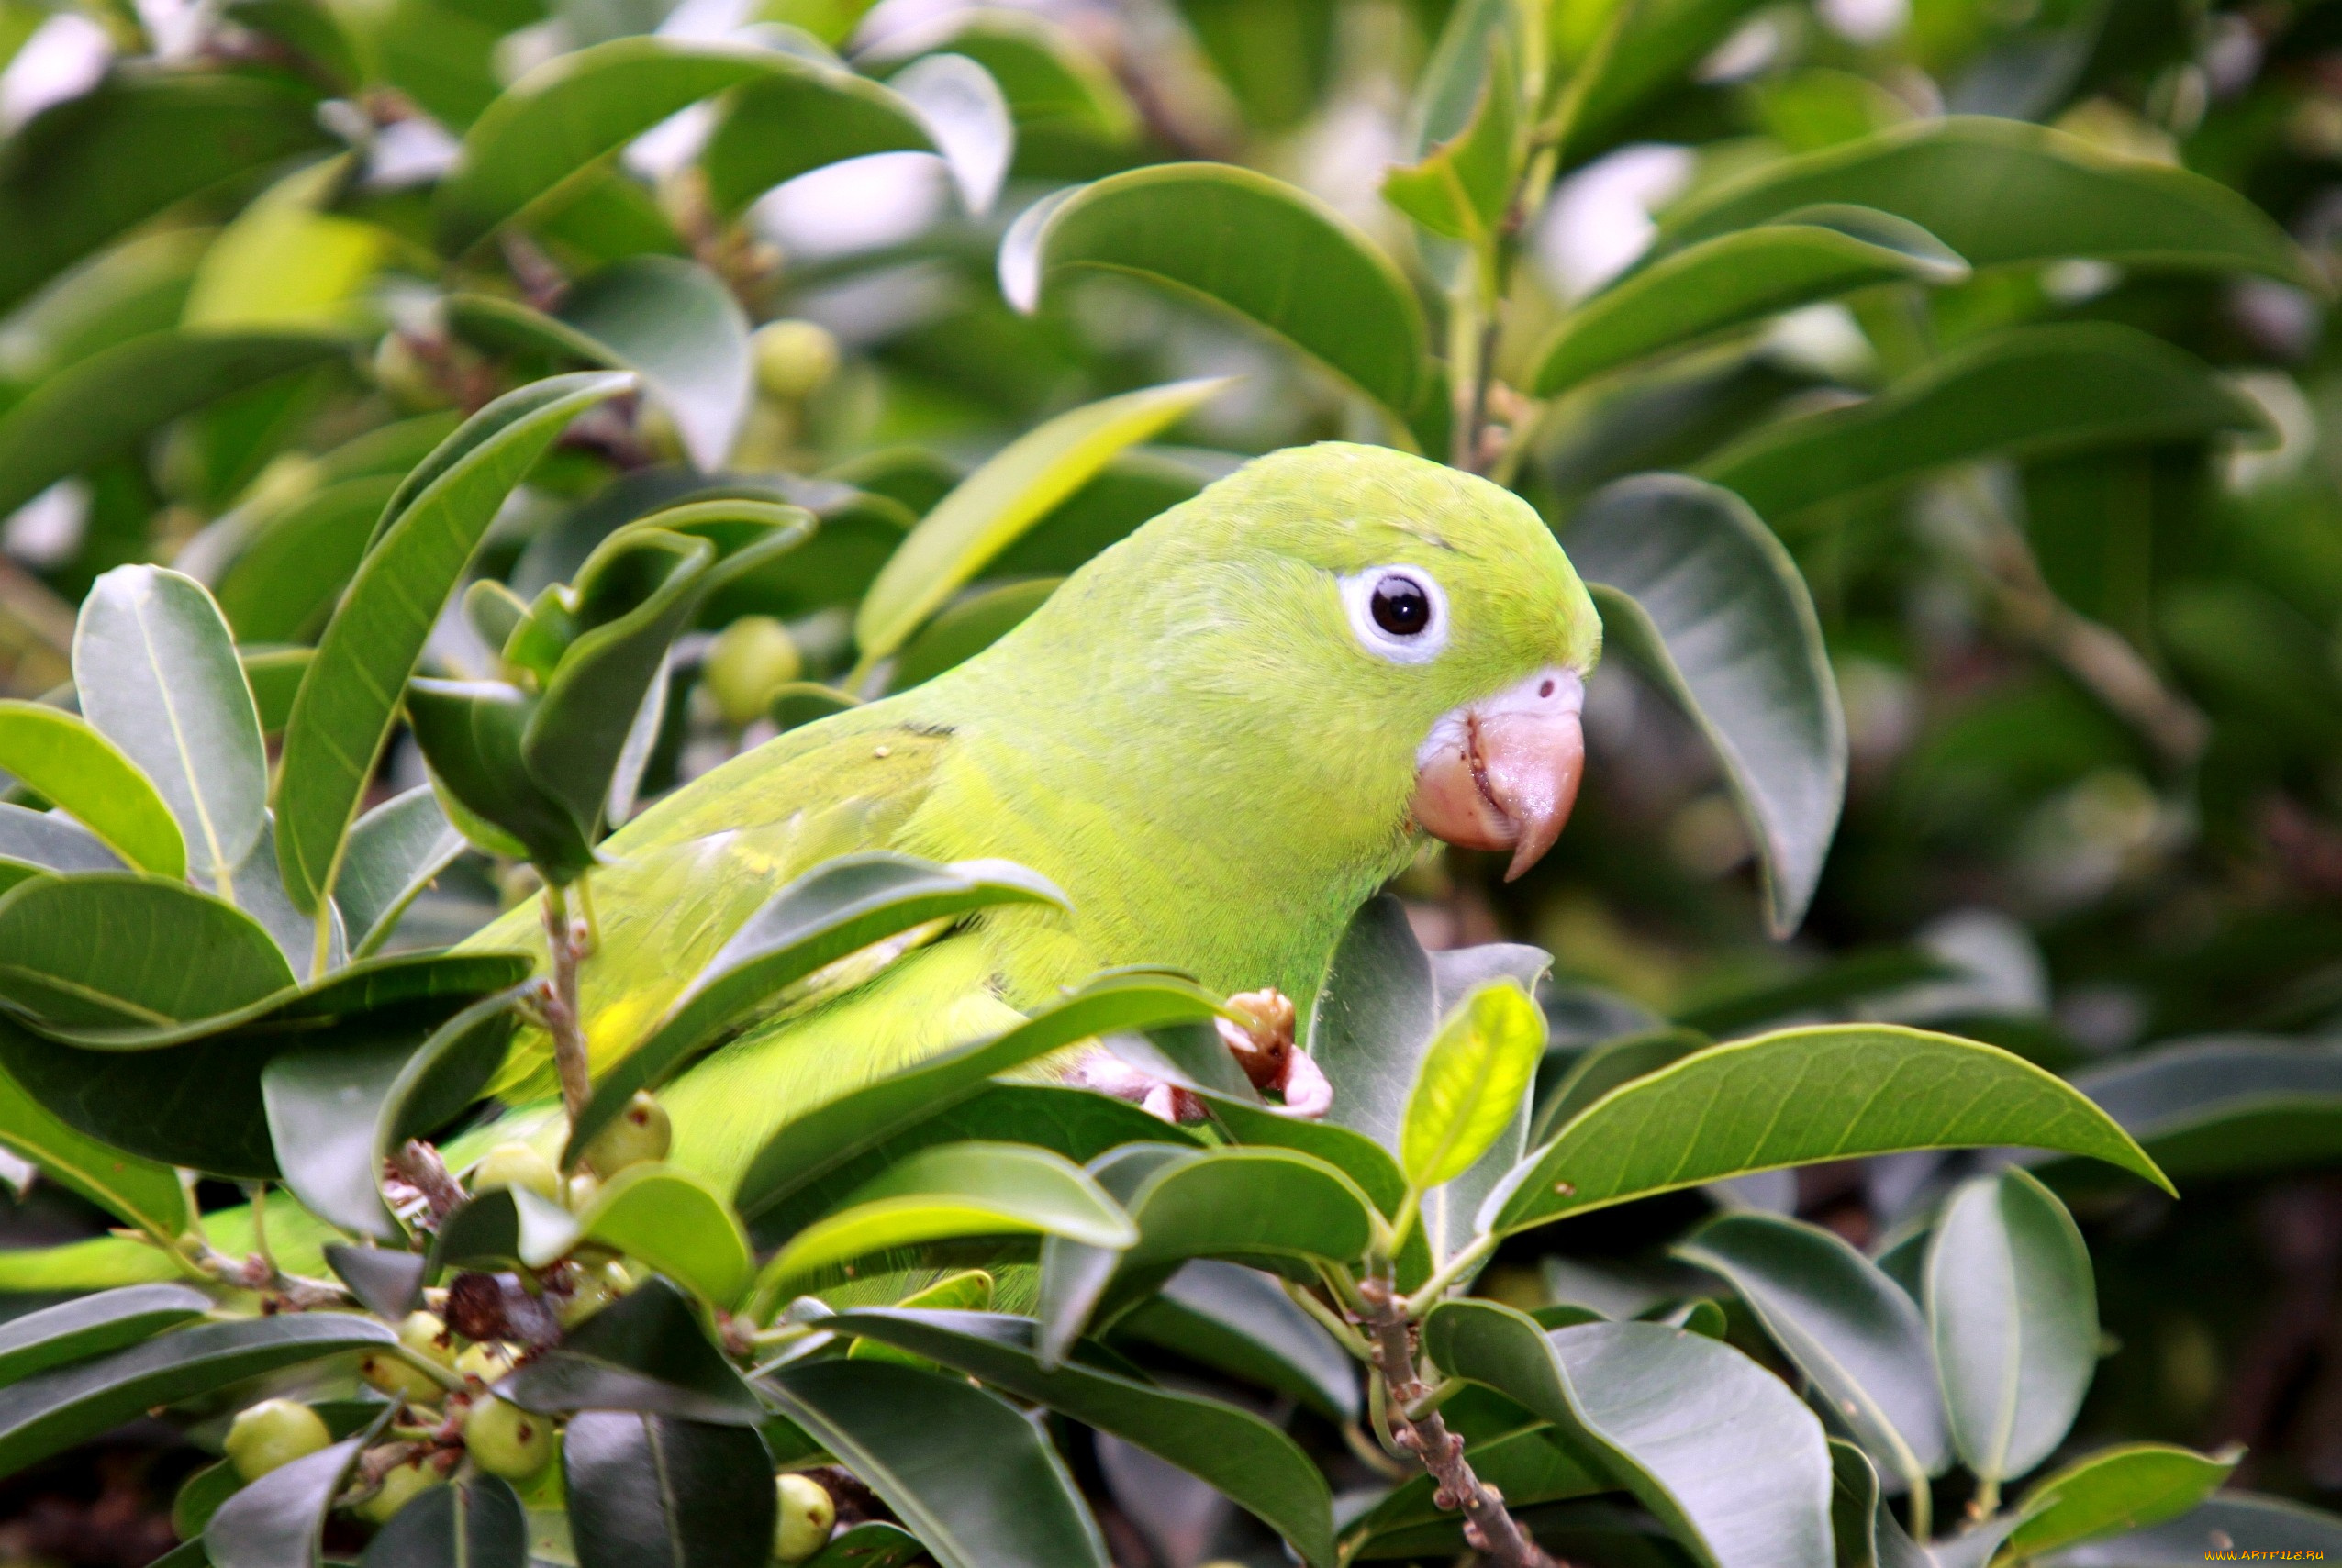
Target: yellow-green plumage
{"x":1188,"y":739}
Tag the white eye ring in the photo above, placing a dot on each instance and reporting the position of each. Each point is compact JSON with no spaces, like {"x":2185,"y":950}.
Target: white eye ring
{"x":1413,"y":648}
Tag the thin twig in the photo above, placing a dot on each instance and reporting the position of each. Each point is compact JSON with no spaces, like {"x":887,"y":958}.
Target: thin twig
{"x":567,"y":938}
{"x":418,"y":1165}
{"x":1487,"y":1527}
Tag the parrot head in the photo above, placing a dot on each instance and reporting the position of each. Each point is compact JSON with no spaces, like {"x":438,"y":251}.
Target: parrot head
{"x":1405,"y":642}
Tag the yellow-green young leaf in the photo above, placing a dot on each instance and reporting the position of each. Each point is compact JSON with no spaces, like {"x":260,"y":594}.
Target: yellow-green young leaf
{"x":139,"y":1191}
{"x":677,"y":1224}
{"x":57,"y":755}
{"x":1471,"y":1081}
{"x":283,"y":263}
{"x":1462,"y":186}
{"x":2114,"y":1490}
{"x":994,"y":506}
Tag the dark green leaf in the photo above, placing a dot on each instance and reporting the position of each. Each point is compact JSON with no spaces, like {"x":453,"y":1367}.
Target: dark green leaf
{"x":1249,"y":1203}
{"x":2225,"y":1106}
{"x":1240,"y":1322}
{"x":282,"y":583}
{"x":471,"y":734}
{"x":59,"y":755}
{"x":1703,"y":599}
{"x":654,"y":1491}
{"x":645,"y":1353}
{"x":475,"y":1521}
{"x":1268,"y":253}
{"x":394,"y":851}
{"x":1603,"y":1067}
{"x":49,"y":1413}
{"x":503,"y":1228}
{"x":870,"y":1545}
{"x":976,"y":1482}
{"x":1372,"y":1020}
{"x":800,"y":117}
{"x":199,"y":1498}
{"x":113,"y":949}
{"x":278,"y":1521}
{"x":322,"y":1107}
{"x":76,"y":1331}
{"x":1716,"y":1447}
{"x":138,"y":1192}
{"x":386,"y":1283}
{"x":1528,"y":1467}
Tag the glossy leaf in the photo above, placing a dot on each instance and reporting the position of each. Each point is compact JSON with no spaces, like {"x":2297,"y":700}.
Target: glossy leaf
{"x":349,"y":693}
{"x":1603,"y":1067}
{"x":1269,"y":253}
{"x":503,"y":1228}
{"x":471,"y":733}
{"x":978,"y":1484}
{"x":475,"y":1520}
{"x":1240,"y":1454}
{"x":112,"y":949}
{"x":674,"y":1223}
{"x":2271,"y":1524}
{"x":1014,"y":489}
{"x":388,"y":1283}
{"x":2117,"y":1489}
{"x":2012,"y":1308}
{"x":800,"y":117}
{"x":644,"y":1352}
{"x":2027,"y":391}
{"x":837,"y":908}
{"x":647,"y":1490}
{"x":103,"y":162}
{"x":2225,"y":1106}
{"x":1249,"y":1201}
{"x":69,"y":764}
{"x":951,"y":1191}
{"x":142,"y":1193}
{"x":1473,"y":1078}
{"x":50,"y":840}
{"x":1372,"y":1020}
{"x":283,"y":581}
{"x":278,"y":1521}
{"x":2052,"y":197}
{"x":394,"y":851}
{"x":1845,"y":1325}
{"x":1813,"y":254}
{"x":322,"y":1104}
{"x":1528,"y":1467}
{"x":1462,"y":187}
{"x":1716,"y":1447}
{"x":99,"y":405}
{"x":76,"y":1331}
{"x":1240,"y":1322}
{"x":1799,"y":1095}
{"x":156,"y":667}
{"x":967,"y":119}
{"x":1699,"y":595}
{"x":53,"y":1411}
{"x":826,"y":1137}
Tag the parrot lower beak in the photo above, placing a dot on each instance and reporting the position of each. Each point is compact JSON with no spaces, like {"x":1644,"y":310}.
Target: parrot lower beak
{"x":1502,"y":774}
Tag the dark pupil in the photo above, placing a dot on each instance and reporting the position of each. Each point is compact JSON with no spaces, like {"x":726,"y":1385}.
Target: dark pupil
{"x":1401,"y":608}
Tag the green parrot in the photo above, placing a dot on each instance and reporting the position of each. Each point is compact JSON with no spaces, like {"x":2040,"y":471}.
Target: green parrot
{"x":1219,"y":738}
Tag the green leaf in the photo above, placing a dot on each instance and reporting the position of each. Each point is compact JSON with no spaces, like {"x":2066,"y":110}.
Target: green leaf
{"x":475,"y":1520}
{"x":668,"y":319}
{"x":798,"y":116}
{"x":1461,"y":188}
{"x":1700,"y":597}
{"x":871,"y":1544}
{"x":53,"y":1411}
{"x":1800,"y":1096}
{"x":199,"y":1498}
{"x":1479,"y":1066}
{"x":1646,"y":50}
{"x":1534,"y":1465}
{"x":97,"y":407}
{"x":2012,"y":1308}
{"x":502,"y":1228}
{"x":275,"y":675}
{"x":568,"y":113}
{"x":2225,"y":1106}
{"x":2115,"y":1489}
{"x":60,"y":756}
{"x":967,"y":119}
{"x":471,"y":735}
{"x":2027,"y":391}
{"x":50,"y":840}
{"x":394,"y":851}
{"x":1056,"y":89}
{"x":351,"y":693}
{"x":387,"y":1282}
{"x":1372,"y":1020}
{"x":1241,"y":1455}
{"x":645,"y":1351}
{"x":138,"y":1192}
{"x":1273,"y":255}
{"x":2270,"y":1524}
{"x":283,"y":584}
{"x":278,"y":1521}
{"x":2053,"y":197}
{"x":284,"y":264}
{"x":823,"y":1139}
{"x":1603,"y":1067}
{"x":322,"y":1106}
{"x":1716,"y":1447}
{"x":837,"y":908}
{"x":1248,"y":1203}
{"x":75,"y":1331}
{"x":951,"y":1191}
{"x":966,"y":628}
{"x":1812,"y":254}
{"x":1844,"y":1324}
{"x":977,"y":1482}
{"x":1014,"y":489}
{"x":100,"y":163}
{"x":677,"y":1224}
{"x":156,"y":669}
{"x":648,"y":1491}
{"x":1240,"y":1322}
{"x":114,"y":949}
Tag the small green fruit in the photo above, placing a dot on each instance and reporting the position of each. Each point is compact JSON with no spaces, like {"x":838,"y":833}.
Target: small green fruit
{"x":425,"y":1333}
{"x":400,"y":1488}
{"x":752,"y":659}
{"x":639,"y":1133}
{"x":506,"y":1441}
{"x":579,"y":1190}
{"x":517,"y":1165}
{"x":272,"y":1433}
{"x":486,"y":1362}
{"x":807,"y":1514}
{"x":793,"y":359}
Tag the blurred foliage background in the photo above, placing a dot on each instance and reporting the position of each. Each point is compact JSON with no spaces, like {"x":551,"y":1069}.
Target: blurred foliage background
{"x":2093,"y":696}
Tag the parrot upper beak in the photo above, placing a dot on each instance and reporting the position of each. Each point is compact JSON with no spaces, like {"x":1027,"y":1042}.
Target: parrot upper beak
{"x":1502,"y":774}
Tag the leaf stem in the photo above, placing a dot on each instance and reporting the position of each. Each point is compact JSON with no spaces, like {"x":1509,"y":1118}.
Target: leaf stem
{"x":1456,"y":1268}
{"x":1922,"y":1509}
{"x":1331,"y":1321}
{"x":567,"y":940}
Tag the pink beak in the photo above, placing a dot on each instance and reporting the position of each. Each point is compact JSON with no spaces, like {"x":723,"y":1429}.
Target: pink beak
{"x":1502,"y":773}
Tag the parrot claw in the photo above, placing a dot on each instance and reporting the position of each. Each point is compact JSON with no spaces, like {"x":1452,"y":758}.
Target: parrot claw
{"x":1108,"y":1074}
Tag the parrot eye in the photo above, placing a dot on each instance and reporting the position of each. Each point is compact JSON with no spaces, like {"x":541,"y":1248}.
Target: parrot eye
{"x":1398,"y":612}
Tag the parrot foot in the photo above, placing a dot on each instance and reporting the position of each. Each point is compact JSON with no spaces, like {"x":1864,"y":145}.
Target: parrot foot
{"x":1262,"y":1045}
